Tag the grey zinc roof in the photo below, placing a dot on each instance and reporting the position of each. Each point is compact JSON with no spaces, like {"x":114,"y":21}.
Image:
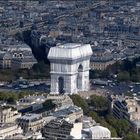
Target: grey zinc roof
{"x":66,"y":111}
{"x":28,"y":59}
{"x":102,"y":59}
{"x":70,"y":51}
{"x":31,"y":117}
{"x":5,"y":55}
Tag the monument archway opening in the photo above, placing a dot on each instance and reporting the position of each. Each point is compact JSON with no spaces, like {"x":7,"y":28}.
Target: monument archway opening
{"x":61,"y":85}
{"x":79,"y":77}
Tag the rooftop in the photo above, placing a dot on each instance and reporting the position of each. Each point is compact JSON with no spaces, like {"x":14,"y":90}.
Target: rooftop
{"x":100,"y":130}
{"x":58,"y":123}
{"x":67,"y":111}
{"x":70,"y":51}
{"x":31,"y":117}
{"x":70,"y":45}
{"x":5,"y":126}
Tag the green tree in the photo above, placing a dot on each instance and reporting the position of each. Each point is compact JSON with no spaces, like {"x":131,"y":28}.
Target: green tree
{"x":98,"y":102}
{"x":124,"y":76}
{"x":49,"y":105}
{"x":103,"y":122}
{"x":9,"y":97}
{"x":131,"y":136}
{"x":115,"y":68}
{"x":41,"y":67}
{"x":94,"y":116}
{"x":127,"y":65}
{"x":3,"y":96}
{"x":122,"y":126}
{"x":22,"y":94}
{"x":135,"y":77}
{"x":79,"y":101}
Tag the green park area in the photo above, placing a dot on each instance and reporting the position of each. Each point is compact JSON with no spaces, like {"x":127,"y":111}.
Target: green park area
{"x":97,"y":107}
{"x":38,"y":71}
{"x":125,"y":70}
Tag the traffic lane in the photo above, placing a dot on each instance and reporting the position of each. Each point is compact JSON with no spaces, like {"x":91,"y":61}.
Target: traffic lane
{"x":120,"y":88}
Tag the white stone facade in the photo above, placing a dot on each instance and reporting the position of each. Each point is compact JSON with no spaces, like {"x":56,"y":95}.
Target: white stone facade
{"x":9,"y":130}
{"x":30,"y":122}
{"x":70,"y":68}
{"x":8,"y":115}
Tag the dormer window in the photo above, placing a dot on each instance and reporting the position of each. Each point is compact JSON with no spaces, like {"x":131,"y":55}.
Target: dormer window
{"x":20,"y":55}
{"x":15,"y":55}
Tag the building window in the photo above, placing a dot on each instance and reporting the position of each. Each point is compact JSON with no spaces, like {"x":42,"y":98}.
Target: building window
{"x":20,"y":55}
{"x":15,"y":55}
{"x":136,"y":109}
